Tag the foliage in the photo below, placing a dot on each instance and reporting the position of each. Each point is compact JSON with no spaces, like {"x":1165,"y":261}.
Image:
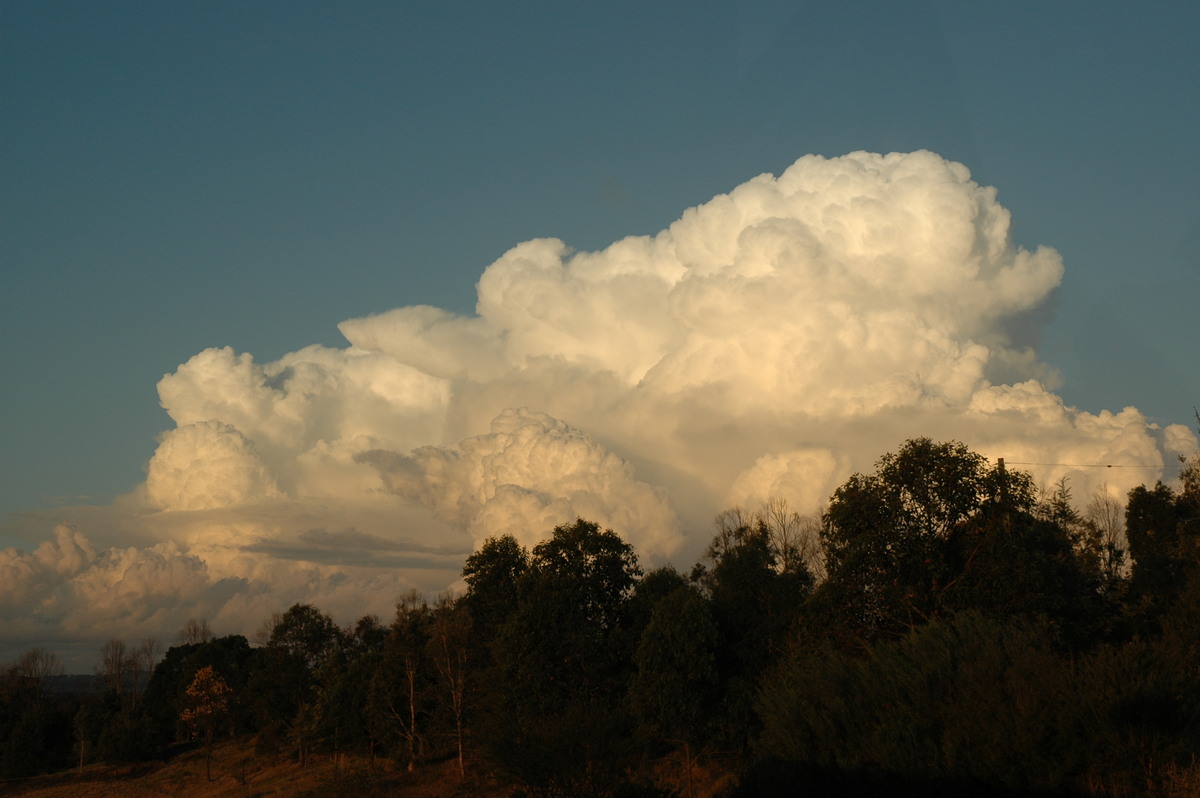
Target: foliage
{"x":206,"y":705}
{"x":561,"y":658}
{"x":449,"y":649}
{"x":401,"y":687}
{"x":35,"y":725}
{"x":306,"y":634}
{"x":492,"y":574}
{"x":284,"y":686}
{"x":343,"y":689}
{"x":673,"y":692}
{"x":165,"y":695}
{"x":755,"y":595}
{"x":970,"y":701}
{"x":956,"y":634}
{"x":1008,"y":564}
{"x":936,"y":531}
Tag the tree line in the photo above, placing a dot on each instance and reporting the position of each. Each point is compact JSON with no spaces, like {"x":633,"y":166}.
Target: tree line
{"x":943,"y":627}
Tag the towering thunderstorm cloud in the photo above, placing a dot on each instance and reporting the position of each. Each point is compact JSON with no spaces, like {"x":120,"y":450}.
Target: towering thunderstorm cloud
{"x":767,"y":344}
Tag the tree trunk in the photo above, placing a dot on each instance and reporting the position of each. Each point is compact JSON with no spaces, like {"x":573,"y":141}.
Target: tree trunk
{"x":412,"y":715}
{"x":208,"y":755}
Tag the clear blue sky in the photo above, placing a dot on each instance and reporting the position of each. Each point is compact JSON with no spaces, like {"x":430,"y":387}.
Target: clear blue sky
{"x":175,"y":176}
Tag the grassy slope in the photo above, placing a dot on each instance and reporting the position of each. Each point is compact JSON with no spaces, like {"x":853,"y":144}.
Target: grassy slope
{"x":236,"y":772}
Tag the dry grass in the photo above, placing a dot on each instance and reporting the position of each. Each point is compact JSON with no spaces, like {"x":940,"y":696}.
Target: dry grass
{"x":237,"y":773}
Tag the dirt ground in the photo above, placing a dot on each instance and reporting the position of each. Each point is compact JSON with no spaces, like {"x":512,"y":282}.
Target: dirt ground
{"x":236,"y":772}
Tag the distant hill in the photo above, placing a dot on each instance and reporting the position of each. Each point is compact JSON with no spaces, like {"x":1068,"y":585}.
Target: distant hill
{"x":77,"y":683}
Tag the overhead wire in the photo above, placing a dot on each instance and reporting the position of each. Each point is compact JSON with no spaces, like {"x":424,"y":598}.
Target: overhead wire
{"x":1100,"y":465}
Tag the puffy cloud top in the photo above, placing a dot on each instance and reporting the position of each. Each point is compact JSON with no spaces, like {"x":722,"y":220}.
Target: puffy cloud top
{"x":527,"y":475}
{"x":846,"y":285}
{"x":205,"y":465}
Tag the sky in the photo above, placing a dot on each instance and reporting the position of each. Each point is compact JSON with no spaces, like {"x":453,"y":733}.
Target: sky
{"x":302,"y":302}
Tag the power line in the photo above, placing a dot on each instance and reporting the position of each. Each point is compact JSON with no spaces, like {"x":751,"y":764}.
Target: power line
{"x":1098,"y":465}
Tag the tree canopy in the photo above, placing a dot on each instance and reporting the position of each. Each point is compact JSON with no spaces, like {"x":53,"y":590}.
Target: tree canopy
{"x":956,"y":632}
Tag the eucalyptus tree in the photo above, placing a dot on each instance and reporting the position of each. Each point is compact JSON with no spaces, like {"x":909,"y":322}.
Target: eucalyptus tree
{"x":886,"y":535}
{"x":285,"y":683}
{"x":556,"y":715}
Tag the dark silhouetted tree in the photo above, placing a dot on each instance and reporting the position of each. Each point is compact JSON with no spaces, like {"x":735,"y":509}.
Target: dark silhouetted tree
{"x":674,"y":691}
{"x":195,"y":630}
{"x":402,"y":684}
{"x":284,"y":684}
{"x":555,"y":714}
{"x":755,"y":600}
{"x":492,"y":575}
{"x":885,"y":534}
{"x":449,"y":649}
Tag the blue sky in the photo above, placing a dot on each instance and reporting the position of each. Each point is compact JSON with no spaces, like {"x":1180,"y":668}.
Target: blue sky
{"x":177,"y":176}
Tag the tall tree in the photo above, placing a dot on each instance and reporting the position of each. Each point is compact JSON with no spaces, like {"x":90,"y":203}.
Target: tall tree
{"x":37,"y":664}
{"x":206,"y":706}
{"x":116,"y":664}
{"x":1163,"y":529}
{"x":165,"y":695}
{"x":141,"y":664}
{"x":1007,"y":564}
{"x":674,"y":689}
{"x":402,"y":683}
{"x":35,"y":723}
{"x":449,"y":649}
{"x":600,"y":567}
{"x":562,"y":657}
{"x":1152,"y":528}
{"x":307,"y":634}
{"x":1104,"y":517}
{"x":492,"y":575}
{"x":756,"y":592}
{"x":342,"y":705}
{"x":885,"y":534}
{"x":285,"y":682}
{"x":195,"y":630}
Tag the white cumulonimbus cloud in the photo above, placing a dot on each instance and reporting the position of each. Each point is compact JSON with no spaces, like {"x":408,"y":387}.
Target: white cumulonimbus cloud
{"x":766,"y":345}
